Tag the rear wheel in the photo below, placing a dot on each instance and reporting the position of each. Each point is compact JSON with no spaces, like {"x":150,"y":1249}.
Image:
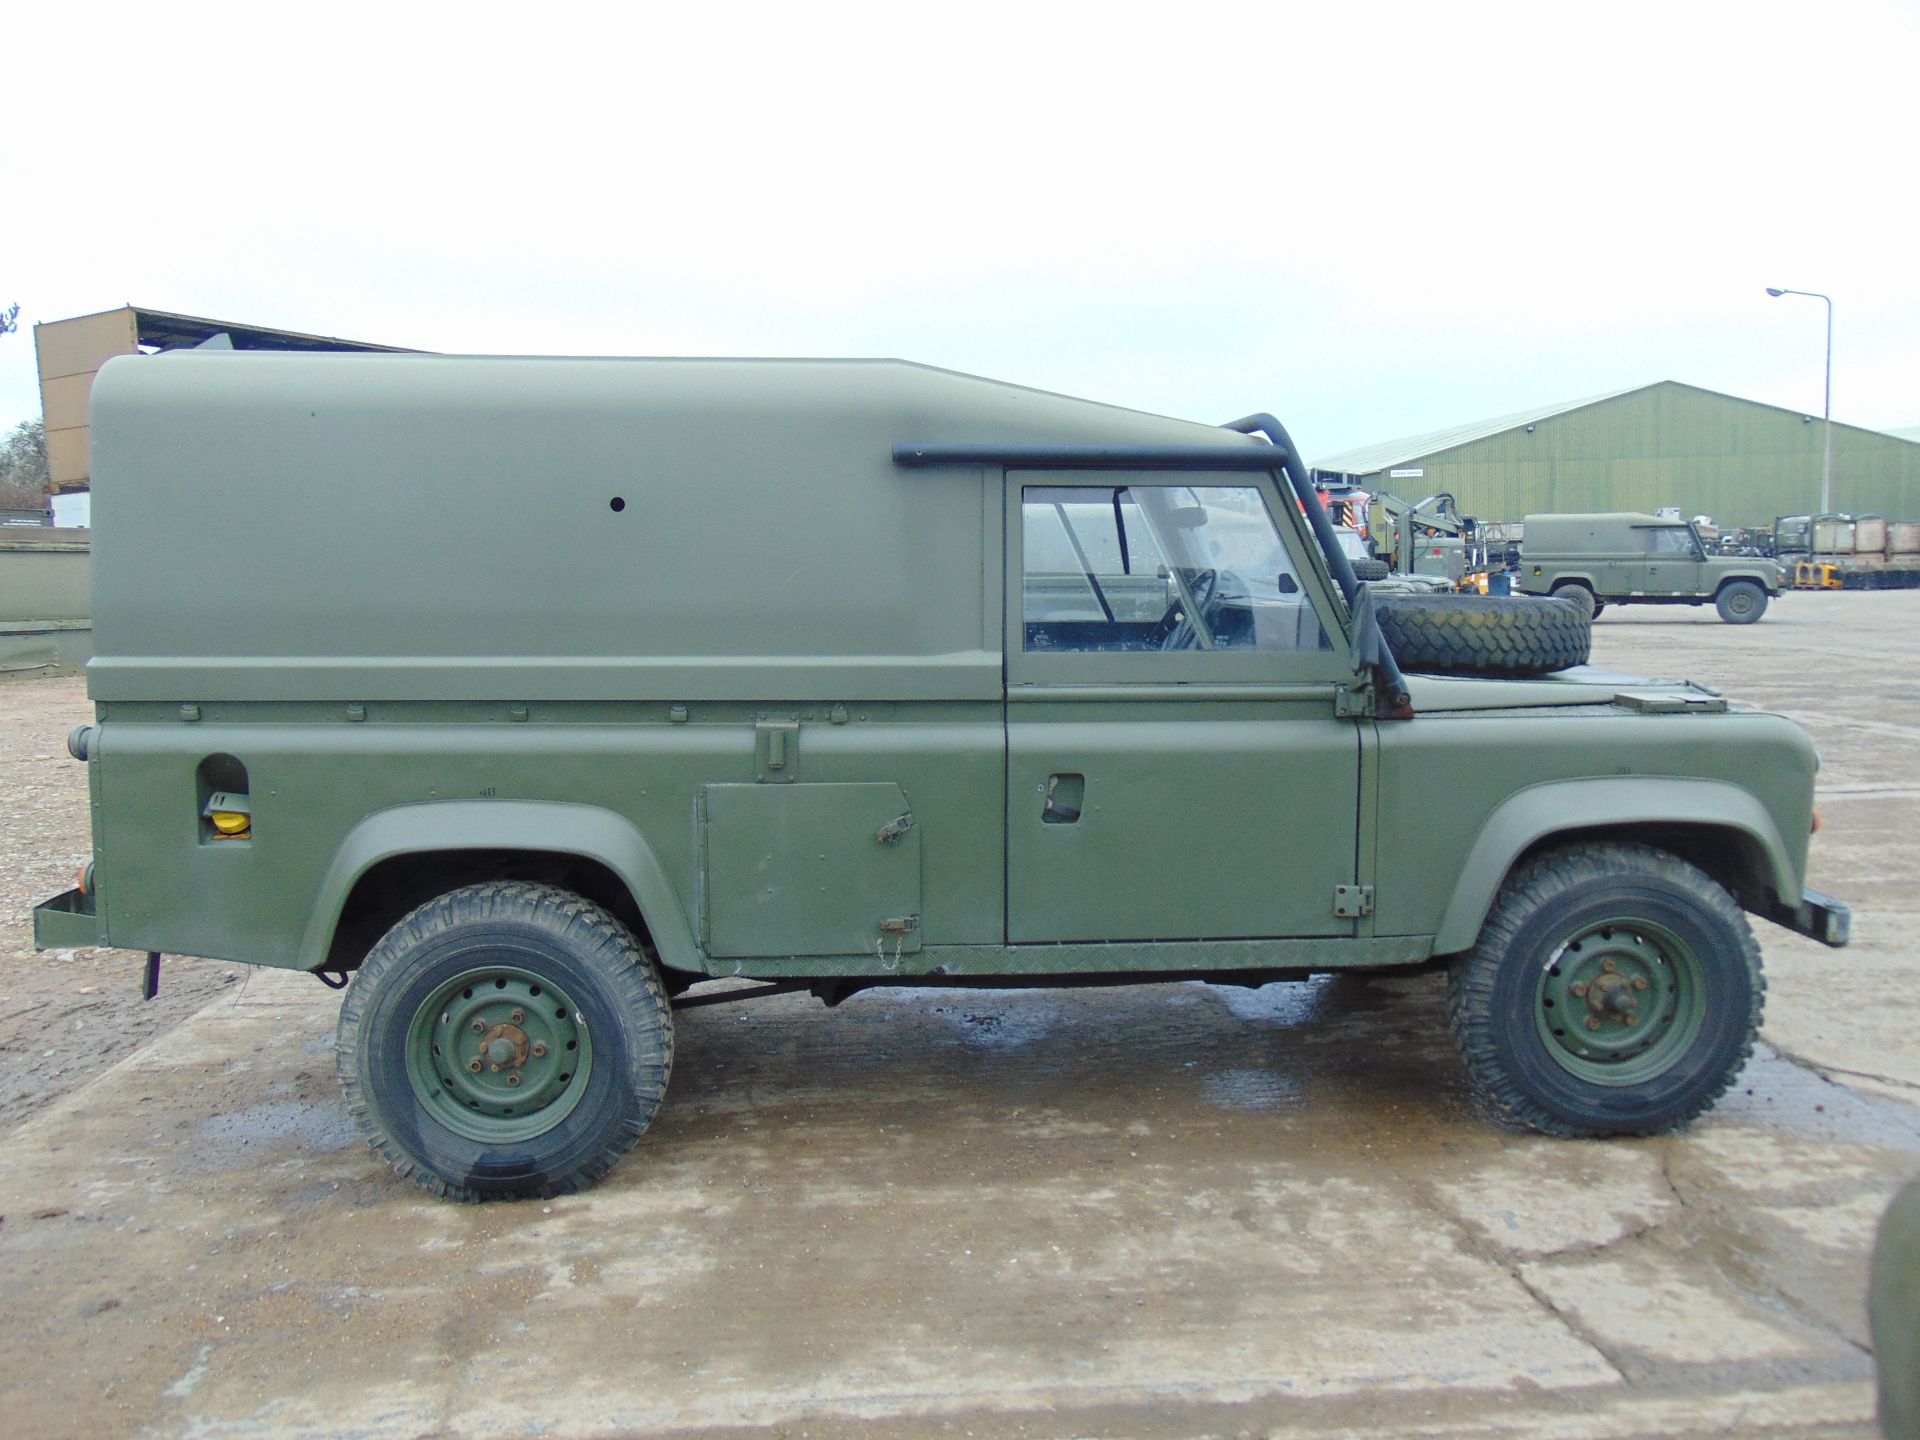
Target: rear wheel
{"x":505,"y":1040}
{"x":1614,"y":990}
{"x":1740,"y":602}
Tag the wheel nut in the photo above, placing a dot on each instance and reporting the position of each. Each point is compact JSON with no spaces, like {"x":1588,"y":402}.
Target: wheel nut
{"x":1609,"y":964}
{"x":517,"y":1016}
{"x":1580,"y":989}
{"x":1639,"y":982}
{"x":1593,"y":1022}
{"x":1630,"y":1018}
{"x":513,"y":1079}
{"x":474,"y":1066}
{"x":539,"y":1051}
{"x":479,"y":1027}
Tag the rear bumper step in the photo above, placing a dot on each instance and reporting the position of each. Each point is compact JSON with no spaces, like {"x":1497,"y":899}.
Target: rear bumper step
{"x":66,"y":922}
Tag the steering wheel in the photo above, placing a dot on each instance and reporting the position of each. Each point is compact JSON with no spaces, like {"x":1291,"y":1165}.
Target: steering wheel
{"x":1198,"y":589}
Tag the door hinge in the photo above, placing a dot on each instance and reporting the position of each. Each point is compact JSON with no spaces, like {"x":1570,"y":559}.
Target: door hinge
{"x":1355,"y":703}
{"x":1350,"y":902}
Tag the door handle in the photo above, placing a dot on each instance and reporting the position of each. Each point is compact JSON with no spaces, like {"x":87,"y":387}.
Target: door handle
{"x":1066,"y":796}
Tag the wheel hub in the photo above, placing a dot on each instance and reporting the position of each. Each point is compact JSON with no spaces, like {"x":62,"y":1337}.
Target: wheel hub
{"x":506,"y":1047}
{"x":498,"y":1054}
{"x":1619,"y":1001}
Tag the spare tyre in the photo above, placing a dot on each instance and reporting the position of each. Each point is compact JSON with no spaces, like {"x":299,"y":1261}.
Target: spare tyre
{"x":1484,"y":634}
{"x":1367,"y":568}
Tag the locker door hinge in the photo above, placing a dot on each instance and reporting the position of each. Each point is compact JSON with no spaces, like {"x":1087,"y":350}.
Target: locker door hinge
{"x":1350,"y":902}
{"x":776,"y":749}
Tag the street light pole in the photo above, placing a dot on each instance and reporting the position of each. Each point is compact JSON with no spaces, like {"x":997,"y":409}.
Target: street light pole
{"x":1826,"y":467}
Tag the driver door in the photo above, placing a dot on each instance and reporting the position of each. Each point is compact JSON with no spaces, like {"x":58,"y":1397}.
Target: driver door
{"x":1175,"y":769}
{"x":1673,"y":561}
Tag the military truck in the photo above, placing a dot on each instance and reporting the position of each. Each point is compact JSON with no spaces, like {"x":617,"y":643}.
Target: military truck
{"x":522,"y":696}
{"x":1631,"y":559}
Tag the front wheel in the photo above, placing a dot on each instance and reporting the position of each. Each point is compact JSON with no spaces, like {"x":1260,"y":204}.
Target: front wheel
{"x":1614,"y":990}
{"x":1741,"y":602}
{"x":505,"y":1040}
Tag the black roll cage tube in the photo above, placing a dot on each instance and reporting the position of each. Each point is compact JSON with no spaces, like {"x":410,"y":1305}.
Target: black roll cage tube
{"x":1280,"y":458}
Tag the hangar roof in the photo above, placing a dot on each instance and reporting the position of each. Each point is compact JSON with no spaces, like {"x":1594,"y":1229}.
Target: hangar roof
{"x":1382,"y":454}
{"x":1371,"y":459}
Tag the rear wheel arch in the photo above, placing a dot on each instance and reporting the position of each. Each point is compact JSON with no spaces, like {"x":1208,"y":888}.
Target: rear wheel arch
{"x":392,"y":888}
{"x":400,"y":858}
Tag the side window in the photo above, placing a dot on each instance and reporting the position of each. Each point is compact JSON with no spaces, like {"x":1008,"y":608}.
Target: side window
{"x":1671,"y":542}
{"x":1150,"y":568}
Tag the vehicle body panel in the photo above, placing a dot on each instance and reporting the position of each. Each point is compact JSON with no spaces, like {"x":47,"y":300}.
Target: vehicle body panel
{"x":808,"y":708}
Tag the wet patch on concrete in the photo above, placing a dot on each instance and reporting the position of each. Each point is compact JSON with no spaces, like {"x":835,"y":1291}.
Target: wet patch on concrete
{"x":246,"y":1136}
{"x":1776,"y":1094}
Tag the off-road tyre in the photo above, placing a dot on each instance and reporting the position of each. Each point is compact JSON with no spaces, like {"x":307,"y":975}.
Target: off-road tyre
{"x":1519,"y":1058}
{"x":1578,"y":596}
{"x":1370,"y":569}
{"x":1484,"y":634}
{"x":543,"y":943}
{"x":1740,"y":602}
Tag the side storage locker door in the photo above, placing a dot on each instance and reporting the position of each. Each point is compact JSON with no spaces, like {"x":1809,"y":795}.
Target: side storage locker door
{"x":811,"y":870}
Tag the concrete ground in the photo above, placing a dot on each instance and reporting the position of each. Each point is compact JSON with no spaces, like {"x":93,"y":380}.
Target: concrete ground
{"x":1146,"y":1212}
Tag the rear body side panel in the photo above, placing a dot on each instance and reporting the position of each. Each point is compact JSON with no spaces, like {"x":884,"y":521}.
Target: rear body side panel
{"x":617,"y":784}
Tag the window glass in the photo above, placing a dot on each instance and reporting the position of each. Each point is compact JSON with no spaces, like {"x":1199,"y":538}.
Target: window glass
{"x":1159,"y":568}
{"x":1670,"y":540}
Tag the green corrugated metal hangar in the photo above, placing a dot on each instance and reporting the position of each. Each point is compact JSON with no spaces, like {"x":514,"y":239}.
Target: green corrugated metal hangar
{"x":1739,"y":461}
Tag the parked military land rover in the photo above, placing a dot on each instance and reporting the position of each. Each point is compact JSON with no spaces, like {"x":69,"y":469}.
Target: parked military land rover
{"x":1628,"y":559}
{"x":521,"y":695}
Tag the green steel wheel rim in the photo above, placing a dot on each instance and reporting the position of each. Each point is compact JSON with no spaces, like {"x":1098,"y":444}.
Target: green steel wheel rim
{"x":1740,"y":602}
{"x":498,"y":1055}
{"x":1619,"y":1002}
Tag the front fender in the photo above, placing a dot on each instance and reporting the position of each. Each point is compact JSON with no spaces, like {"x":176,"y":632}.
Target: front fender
{"x":1541,"y":811}
{"x":1771,"y":583}
{"x":540,"y":825}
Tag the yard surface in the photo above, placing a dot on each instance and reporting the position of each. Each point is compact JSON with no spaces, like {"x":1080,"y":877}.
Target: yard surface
{"x":1149,"y":1212}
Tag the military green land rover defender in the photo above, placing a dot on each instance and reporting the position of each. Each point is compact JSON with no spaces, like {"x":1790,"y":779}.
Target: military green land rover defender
{"x":1594,"y":561}
{"x":521,"y":695}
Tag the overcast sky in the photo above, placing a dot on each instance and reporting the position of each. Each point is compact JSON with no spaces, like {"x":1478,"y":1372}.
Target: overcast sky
{"x":1371,"y":220}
